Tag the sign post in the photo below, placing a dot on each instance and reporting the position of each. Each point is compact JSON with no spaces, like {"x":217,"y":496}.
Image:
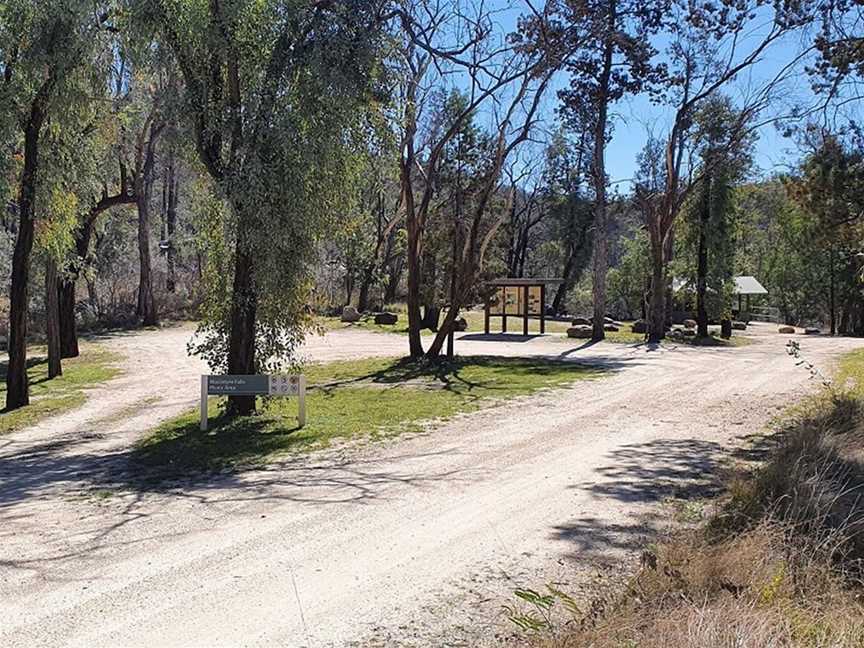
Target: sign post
{"x":257,"y":385}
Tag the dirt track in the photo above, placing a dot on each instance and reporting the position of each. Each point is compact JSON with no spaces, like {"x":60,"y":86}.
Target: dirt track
{"x":387,"y":544}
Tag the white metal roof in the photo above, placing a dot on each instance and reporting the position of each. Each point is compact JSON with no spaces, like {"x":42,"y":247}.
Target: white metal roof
{"x":748,"y":285}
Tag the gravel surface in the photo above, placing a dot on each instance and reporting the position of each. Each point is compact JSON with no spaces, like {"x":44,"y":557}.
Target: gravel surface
{"x":417,"y":541}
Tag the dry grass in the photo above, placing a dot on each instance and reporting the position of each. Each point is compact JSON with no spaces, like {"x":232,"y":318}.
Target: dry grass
{"x":780,"y":565}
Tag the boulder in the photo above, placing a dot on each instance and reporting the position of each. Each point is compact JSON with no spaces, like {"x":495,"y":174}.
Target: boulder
{"x":581,"y":331}
{"x":812,"y":331}
{"x":581,"y":321}
{"x":786,"y":330}
{"x":350,"y":314}
{"x":386,"y":318}
{"x":639,"y":326}
{"x":739,"y":326}
{"x":689,"y":323}
{"x":460,"y":324}
{"x":612,"y":328}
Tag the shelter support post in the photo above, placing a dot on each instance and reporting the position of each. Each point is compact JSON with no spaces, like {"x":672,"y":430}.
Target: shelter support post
{"x":486,"y":317}
{"x":542,"y":308}
{"x":204,"y":381}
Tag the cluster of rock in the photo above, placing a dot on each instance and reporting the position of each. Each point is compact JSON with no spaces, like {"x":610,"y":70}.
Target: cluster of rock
{"x":351,"y":315}
{"x":583,"y":327}
{"x":791,"y":330}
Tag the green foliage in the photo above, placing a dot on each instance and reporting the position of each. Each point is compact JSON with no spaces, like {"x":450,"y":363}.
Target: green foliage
{"x":710,"y":212}
{"x":628,"y":281}
{"x":280,"y":142}
{"x":776,"y":244}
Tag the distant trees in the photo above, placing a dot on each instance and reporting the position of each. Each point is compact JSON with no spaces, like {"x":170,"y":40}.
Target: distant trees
{"x":709,"y":211}
{"x":705,"y":55}
{"x":609,"y":54}
{"x":829,"y":187}
{"x":505,"y":76}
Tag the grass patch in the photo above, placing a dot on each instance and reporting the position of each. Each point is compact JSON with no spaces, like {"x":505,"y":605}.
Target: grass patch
{"x":370,"y":398}
{"x":781,"y":562}
{"x":850,"y":373}
{"x":476,"y":322}
{"x":59,"y":395}
{"x":716,"y":341}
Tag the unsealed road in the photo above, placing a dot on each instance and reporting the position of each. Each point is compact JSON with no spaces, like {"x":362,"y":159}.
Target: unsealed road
{"x":387,"y":543}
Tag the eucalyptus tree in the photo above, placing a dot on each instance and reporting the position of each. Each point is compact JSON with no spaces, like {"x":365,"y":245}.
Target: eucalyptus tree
{"x":571,"y":210}
{"x":46,"y":51}
{"x":711,"y":209}
{"x":273,"y":92}
{"x":442,"y":46}
{"x":609,"y":54}
{"x":710,"y":46}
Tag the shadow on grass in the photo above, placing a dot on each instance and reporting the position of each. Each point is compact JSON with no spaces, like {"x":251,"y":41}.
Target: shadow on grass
{"x":499,"y":337}
{"x":449,"y":373}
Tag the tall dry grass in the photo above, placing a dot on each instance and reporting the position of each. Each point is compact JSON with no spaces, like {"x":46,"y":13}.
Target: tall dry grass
{"x":780,"y":565}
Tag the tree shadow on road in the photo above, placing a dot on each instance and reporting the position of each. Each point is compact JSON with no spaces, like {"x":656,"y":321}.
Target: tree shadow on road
{"x":638,"y":474}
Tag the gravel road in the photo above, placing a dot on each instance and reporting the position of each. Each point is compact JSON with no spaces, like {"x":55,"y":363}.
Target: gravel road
{"x":396,"y":543}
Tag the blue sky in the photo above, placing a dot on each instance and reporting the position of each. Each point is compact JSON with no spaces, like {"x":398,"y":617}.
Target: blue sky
{"x":635,"y":116}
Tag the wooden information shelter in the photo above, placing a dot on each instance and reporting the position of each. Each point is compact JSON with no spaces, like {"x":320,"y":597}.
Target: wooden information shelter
{"x":522,"y":298}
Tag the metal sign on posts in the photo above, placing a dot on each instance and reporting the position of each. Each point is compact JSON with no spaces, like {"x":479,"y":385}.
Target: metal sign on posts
{"x":292,"y":385}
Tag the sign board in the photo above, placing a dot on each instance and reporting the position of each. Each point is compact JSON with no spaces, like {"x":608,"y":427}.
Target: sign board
{"x":237,"y":385}
{"x":512,"y":300}
{"x":507,"y":300}
{"x":534,"y":299}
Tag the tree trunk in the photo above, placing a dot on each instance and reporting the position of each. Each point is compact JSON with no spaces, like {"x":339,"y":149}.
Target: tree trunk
{"x":415,"y":321}
{"x":241,"y":340}
{"x":564,"y":286}
{"x":145,"y":160}
{"x":52,"y":318}
{"x":171,"y":226}
{"x":365,"y":285}
{"x":832,"y":300}
{"x":601,"y":233}
{"x":17,"y":386}
{"x":702,"y":263}
{"x":669,"y":298}
{"x":443,"y":332}
{"x":657,"y":299}
{"x":68,"y":326}
{"x":146,"y":310}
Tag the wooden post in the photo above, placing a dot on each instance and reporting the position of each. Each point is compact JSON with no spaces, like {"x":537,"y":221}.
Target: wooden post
{"x":542,"y":309}
{"x":525,"y":310}
{"x":301,"y":402}
{"x":486,"y":320}
{"x":204,"y":381}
